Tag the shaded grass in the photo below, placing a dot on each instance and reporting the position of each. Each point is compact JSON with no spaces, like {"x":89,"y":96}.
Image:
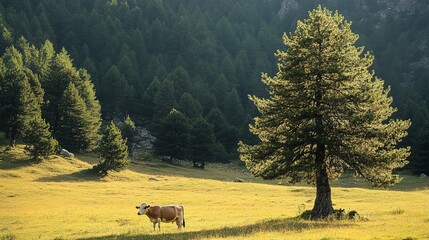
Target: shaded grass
{"x":13,"y":158}
{"x":272,"y":225}
{"x":78,"y":176}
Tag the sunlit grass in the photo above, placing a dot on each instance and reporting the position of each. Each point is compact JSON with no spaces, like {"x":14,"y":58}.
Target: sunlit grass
{"x":61,"y":199}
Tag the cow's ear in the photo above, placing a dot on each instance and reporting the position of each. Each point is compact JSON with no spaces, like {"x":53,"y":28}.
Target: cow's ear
{"x":147,"y":206}
{"x":138,"y":207}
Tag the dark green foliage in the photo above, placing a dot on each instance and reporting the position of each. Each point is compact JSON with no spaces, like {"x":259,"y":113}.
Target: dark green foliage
{"x":326,"y":113}
{"x":18,"y":102}
{"x":112,"y":90}
{"x":218,"y":153}
{"x":128,"y":131}
{"x":74,"y":122}
{"x":193,"y":43}
{"x":147,"y":98}
{"x":227,"y":135}
{"x":38,"y":139}
{"x":181,"y":81}
{"x":164,"y":99}
{"x":233,"y":109}
{"x":87,"y":92}
{"x":189,"y":106}
{"x":421,"y":151}
{"x":228,"y":69}
{"x":56,"y":72}
{"x":22,"y":97}
{"x":221,"y":89}
{"x":202,"y":139}
{"x":143,"y":40}
{"x":6,"y":37}
{"x":113,"y":151}
{"x":59,"y":75}
{"x":173,"y":136}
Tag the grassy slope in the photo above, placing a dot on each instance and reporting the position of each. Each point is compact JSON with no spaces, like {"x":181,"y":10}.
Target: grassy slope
{"x":61,"y":199}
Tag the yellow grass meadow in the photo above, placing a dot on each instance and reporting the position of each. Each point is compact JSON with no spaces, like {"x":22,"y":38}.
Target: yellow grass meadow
{"x":61,"y":199}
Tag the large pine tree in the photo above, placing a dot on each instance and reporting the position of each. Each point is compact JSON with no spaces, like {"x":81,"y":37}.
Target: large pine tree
{"x":326,"y":112}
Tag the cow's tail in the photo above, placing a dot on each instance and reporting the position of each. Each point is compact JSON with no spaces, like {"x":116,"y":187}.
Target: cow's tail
{"x":183,"y":212}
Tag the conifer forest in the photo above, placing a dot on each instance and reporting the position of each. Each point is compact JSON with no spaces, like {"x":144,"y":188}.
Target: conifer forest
{"x":184,"y":70}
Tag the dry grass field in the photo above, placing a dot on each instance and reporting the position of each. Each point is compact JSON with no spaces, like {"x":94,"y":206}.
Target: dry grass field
{"x":61,"y":199}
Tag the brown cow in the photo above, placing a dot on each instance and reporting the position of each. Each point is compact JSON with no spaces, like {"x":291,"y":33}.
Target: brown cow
{"x":158,"y":214}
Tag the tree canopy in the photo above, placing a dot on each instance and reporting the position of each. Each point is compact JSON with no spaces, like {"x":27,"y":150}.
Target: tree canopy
{"x":113,"y":151}
{"x":326,"y":112}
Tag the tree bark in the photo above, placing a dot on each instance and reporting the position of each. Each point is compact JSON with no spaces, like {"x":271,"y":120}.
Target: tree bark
{"x":323,"y":203}
{"x":12,"y":134}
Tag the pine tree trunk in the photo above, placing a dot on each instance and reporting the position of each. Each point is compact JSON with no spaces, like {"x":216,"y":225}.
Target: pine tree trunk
{"x":323,"y":203}
{"x":12,"y":134}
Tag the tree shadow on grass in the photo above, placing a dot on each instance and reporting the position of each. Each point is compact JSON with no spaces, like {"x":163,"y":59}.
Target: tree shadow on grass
{"x":85,"y":175}
{"x":274,"y":225}
{"x":10,"y":160}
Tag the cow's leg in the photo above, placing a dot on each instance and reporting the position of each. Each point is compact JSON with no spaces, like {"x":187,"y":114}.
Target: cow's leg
{"x":159,"y":224}
{"x":154,"y":224}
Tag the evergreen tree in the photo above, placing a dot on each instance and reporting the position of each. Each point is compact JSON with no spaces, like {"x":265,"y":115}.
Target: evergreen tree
{"x":228,"y":69}
{"x":87,"y":92}
{"x":226,"y":134}
{"x":18,"y":102}
{"x":148,"y":39}
{"x":74,"y":122}
{"x":148,"y":96}
{"x":326,"y":112}
{"x":38,"y":139}
{"x":112,"y":91}
{"x":221,"y":90}
{"x":60,"y":73}
{"x":202,"y":139}
{"x":29,"y":53}
{"x":181,"y":81}
{"x":218,"y":153}
{"x":45,"y":60}
{"x":164,"y":99}
{"x":173,"y":136}
{"x":420,"y":155}
{"x":233,"y":110}
{"x":129,"y":131}
{"x":189,"y":106}
{"x":113,"y":151}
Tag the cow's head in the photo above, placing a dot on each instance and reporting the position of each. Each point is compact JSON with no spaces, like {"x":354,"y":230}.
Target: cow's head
{"x":142,"y":208}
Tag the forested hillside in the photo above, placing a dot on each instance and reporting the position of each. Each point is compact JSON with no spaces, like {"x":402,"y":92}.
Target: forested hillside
{"x":202,"y":58}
